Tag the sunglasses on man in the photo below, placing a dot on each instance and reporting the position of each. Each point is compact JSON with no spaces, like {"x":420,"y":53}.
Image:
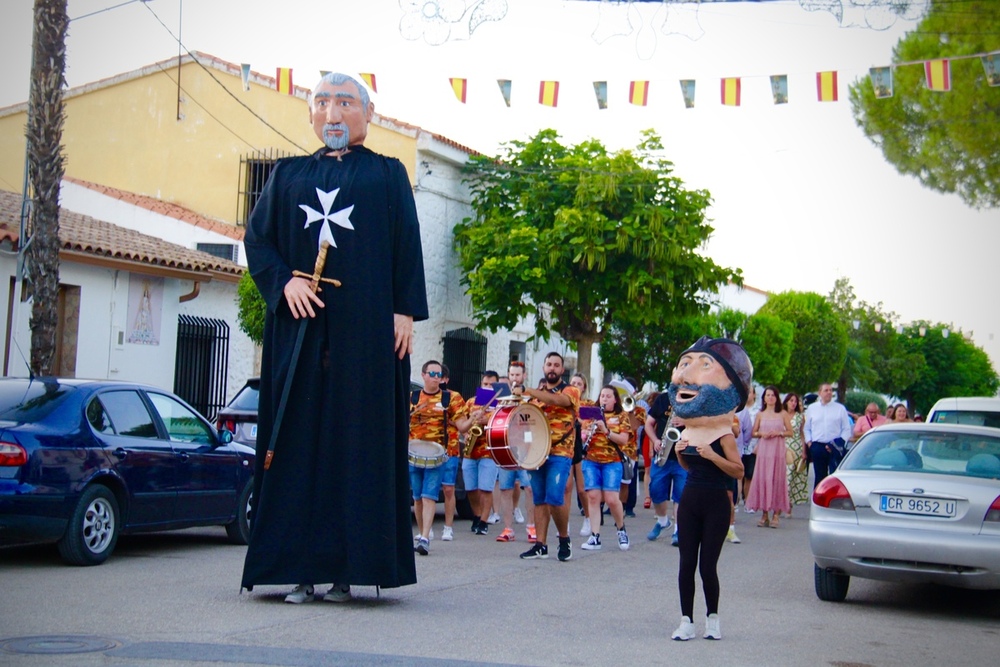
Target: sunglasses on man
{"x":434,"y":374}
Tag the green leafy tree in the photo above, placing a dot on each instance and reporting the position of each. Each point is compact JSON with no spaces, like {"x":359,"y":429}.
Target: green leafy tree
{"x":857,"y":401}
{"x":768,"y":340}
{"x":579,"y":237}
{"x":946,"y":140}
{"x":954,"y":367}
{"x":252,"y":309}
{"x":649,"y":353}
{"x":819,"y":345}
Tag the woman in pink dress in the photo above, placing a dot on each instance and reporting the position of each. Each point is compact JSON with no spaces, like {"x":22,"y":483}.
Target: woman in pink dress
{"x":769,"y":491}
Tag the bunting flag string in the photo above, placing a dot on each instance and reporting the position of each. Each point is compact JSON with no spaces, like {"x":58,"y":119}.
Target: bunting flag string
{"x":283,"y":81}
{"x":937,"y":73}
{"x":459,"y":86}
{"x":369,"y":80}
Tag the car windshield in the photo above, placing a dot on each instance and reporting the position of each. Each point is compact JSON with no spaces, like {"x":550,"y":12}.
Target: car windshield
{"x":970,"y":417}
{"x":248,"y":398}
{"x":32,"y":401}
{"x":964,"y":454}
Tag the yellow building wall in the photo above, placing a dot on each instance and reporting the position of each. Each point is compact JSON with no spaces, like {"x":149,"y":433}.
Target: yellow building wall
{"x":127,"y":135}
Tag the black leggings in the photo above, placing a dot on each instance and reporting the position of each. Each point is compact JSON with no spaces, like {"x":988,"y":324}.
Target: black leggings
{"x":702,"y":525}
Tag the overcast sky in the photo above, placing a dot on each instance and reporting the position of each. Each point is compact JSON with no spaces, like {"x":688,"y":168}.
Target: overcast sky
{"x":800,"y":196}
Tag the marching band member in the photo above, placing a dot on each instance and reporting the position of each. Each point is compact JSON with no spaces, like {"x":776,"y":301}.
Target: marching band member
{"x":580,"y":383}
{"x":509,"y":479}
{"x":431,"y":413}
{"x":602,"y":465}
{"x":479,"y":470}
{"x":559,"y":401}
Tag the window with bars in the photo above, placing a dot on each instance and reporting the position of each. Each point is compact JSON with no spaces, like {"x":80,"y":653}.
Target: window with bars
{"x":255,"y":168}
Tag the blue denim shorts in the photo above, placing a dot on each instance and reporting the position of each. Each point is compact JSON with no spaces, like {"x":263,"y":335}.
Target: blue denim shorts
{"x":449,"y":471}
{"x":548,"y":483}
{"x":508,"y":477}
{"x":425,"y":482}
{"x":666,"y":482}
{"x":603,"y":476}
{"x":479,"y":474}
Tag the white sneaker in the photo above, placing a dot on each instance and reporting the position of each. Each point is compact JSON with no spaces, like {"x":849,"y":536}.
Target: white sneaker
{"x":623,"y":540}
{"x":593,"y":543}
{"x":494,"y":518}
{"x":712,"y":630}
{"x":300,"y":594}
{"x":430,"y":535}
{"x":518,"y":517}
{"x":585,"y":528}
{"x":338,"y":593}
{"x":447,"y":534}
{"x":731,"y":536}
{"x":685,"y":630}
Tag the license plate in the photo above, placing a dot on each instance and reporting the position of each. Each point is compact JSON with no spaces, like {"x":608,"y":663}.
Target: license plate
{"x":892,"y":504}
{"x":253,"y":431}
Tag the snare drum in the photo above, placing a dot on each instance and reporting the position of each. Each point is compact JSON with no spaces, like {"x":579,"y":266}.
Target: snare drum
{"x":426,"y":454}
{"x":517,"y":436}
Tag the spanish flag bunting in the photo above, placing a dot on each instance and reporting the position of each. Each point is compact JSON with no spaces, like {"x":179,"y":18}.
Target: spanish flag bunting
{"x":731,"y":91}
{"x":245,"y":75}
{"x":369,"y":80}
{"x":826,"y":86}
{"x":505,"y":90}
{"x":548,"y":93}
{"x":284,"y":80}
{"x":460,"y":87}
{"x":638,"y":93}
{"x":687,"y":90}
{"x":601,"y":93}
{"x":938,"y":74}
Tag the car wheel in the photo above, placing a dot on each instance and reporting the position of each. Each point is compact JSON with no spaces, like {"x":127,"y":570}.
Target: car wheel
{"x":239,"y":530}
{"x":93,"y":528}
{"x":830,"y":586}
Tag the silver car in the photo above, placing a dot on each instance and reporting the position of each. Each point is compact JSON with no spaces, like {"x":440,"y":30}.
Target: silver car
{"x":914,"y":503}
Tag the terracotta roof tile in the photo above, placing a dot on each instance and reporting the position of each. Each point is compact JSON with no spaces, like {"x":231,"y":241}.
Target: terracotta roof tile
{"x":174,"y":211}
{"x":84,"y":234}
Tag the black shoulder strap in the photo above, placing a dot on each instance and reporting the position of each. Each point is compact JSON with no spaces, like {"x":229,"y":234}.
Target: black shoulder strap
{"x":415,"y":397}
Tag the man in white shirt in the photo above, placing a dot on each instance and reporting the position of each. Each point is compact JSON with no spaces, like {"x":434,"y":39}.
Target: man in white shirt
{"x":828,"y":428}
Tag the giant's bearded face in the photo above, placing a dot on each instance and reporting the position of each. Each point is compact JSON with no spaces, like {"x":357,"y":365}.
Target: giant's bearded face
{"x":700,"y":387}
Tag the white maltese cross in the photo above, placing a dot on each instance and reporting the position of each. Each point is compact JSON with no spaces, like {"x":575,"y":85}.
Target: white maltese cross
{"x":341,"y":218}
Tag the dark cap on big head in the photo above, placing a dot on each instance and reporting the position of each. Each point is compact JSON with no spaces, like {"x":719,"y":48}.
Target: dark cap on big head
{"x":733,"y":358}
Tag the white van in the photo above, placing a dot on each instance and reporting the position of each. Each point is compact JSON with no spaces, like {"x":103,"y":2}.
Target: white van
{"x":976,"y":411}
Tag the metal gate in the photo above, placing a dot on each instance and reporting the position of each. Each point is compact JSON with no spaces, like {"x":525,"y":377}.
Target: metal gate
{"x":202,"y":363}
{"x":465,"y":356}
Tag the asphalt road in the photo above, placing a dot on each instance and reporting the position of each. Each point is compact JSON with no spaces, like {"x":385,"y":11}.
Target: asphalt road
{"x":173,"y":599}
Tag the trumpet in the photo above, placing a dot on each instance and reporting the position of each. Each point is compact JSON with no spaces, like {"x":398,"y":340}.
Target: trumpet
{"x":670,"y":435}
{"x":628,"y":403}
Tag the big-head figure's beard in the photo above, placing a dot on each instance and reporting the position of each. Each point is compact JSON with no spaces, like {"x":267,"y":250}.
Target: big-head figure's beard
{"x":334,"y":142}
{"x":710,"y":401}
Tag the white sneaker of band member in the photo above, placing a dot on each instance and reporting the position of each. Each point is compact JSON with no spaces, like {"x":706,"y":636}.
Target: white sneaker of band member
{"x":447,"y":534}
{"x":712,"y":630}
{"x":518,"y":516}
{"x":685,"y":630}
{"x":585,"y":528}
{"x":300,"y":594}
{"x":593,"y":543}
{"x":494,"y":518}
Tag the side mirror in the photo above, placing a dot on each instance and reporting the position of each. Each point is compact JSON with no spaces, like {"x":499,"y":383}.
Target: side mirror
{"x":225,"y":436}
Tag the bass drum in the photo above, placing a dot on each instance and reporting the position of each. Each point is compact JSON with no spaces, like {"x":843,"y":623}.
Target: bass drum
{"x":517,"y":436}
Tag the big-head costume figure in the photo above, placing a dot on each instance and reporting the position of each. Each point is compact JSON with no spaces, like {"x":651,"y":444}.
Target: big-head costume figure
{"x":711,"y":382}
{"x":333,"y":504}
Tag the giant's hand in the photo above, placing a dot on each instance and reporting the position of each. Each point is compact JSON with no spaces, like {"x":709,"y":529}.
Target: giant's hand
{"x":300,"y":298}
{"x":403,"y":328}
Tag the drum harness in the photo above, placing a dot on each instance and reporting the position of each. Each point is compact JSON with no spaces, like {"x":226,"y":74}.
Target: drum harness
{"x":555,"y":390}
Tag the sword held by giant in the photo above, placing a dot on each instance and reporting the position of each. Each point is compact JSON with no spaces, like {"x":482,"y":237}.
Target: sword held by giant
{"x":315,"y":278}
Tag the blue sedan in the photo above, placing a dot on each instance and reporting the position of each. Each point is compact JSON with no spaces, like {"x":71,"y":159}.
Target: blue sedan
{"x":84,"y":461}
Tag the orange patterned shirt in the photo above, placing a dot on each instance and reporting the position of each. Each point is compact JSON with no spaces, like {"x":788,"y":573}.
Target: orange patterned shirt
{"x":562,"y":421}
{"x":427,"y":419}
{"x":600,"y":449}
{"x":632,"y":448}
{"x":479,"y":448}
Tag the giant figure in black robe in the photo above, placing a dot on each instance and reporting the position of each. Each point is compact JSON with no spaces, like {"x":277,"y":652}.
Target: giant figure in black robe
{"x":334,"y":505}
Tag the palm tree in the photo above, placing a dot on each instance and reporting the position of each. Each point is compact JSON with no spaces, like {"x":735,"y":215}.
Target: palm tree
{"x":45,"y":172}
